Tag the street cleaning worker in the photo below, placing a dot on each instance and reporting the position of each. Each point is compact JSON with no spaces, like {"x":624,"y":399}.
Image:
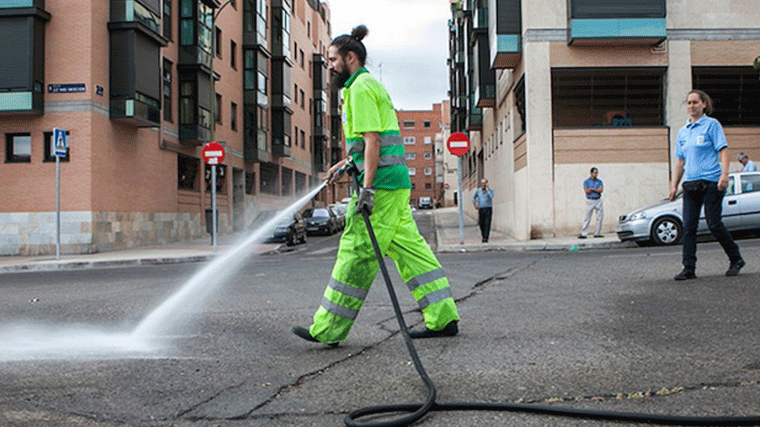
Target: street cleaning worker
{"x":373,"y":142}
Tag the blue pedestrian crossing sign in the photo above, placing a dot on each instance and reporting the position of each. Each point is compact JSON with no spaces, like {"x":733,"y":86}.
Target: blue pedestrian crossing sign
{"x":61,"y":142}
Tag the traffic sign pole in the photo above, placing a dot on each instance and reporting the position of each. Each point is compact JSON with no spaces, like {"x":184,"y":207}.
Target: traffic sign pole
{"x":213,"y":206}
{"x":213,"y":154}
{"x":60,"y":145}
{"x":461,"y":201}
{"x":458,"y":145}
{"x":57,"y":207}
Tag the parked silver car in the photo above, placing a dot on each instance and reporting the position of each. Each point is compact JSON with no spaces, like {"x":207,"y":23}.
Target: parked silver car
{"x":662,"y":223}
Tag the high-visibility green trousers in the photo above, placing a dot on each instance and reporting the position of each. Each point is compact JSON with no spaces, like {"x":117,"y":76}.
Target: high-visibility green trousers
{"x":356,"y":268}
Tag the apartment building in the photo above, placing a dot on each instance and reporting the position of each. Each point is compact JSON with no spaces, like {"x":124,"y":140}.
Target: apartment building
{"x":547,"y":89}
{"x":419,"y":130}
{"x":140,"y":86}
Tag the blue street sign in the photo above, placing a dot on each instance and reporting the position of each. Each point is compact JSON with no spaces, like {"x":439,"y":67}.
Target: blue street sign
{"x":61,"y":142}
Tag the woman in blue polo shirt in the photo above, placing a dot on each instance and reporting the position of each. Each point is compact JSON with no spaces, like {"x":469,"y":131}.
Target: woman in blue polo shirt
{"x":702,"y":161}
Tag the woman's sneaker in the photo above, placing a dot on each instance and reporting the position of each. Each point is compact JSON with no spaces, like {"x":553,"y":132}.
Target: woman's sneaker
{"x":733,"y":269}
{"x":686,"y":274}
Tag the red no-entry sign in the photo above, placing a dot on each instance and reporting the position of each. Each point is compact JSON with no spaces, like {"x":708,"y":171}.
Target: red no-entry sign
{"x":458,"y":144}
{"x":213,"y":153}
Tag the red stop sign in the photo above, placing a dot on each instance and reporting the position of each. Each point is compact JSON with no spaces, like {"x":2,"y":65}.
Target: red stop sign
{"x":458,"y":144}
{"x":213,"y":153}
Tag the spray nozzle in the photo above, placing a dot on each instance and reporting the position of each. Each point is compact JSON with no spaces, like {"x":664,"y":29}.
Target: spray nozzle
{"x":349,"y":167}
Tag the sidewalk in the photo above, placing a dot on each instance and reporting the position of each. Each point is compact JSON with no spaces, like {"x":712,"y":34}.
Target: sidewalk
{"x":191,"y":251}
{"x":449,"y":240}
{"x":447,"y":235}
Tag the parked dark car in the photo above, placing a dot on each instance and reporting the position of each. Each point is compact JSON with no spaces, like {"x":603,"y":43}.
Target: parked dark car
{"x":320,"y":221}
{"x":340,"y":212}
{"x":290,"y":230}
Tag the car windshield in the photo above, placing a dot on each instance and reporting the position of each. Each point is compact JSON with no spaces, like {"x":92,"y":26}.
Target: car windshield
{"x":316,"y":213}
{"x":339,"y":208}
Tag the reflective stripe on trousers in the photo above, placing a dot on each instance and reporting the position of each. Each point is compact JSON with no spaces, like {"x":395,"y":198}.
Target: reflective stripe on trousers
{"x":356,"y":267}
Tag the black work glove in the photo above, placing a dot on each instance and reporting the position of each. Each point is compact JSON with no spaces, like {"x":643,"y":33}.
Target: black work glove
{"x":366,"y":200}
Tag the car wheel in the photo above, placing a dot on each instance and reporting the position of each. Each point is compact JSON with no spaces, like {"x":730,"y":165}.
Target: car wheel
{"x":666,"y":231}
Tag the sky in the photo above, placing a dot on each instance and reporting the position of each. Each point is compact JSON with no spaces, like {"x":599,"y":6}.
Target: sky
{"x":407,"y":46}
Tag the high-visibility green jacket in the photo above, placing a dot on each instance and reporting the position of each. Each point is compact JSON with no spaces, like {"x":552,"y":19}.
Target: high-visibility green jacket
{"x":367,"y":107}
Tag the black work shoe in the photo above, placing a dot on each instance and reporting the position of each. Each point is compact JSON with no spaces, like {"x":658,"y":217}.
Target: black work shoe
{"x":686,"y":274}
{"x":581,"y":236}
{"x":598,"y":235}
{"x":733,"y":270}
{"x":304,"y":333}
{"x":449,"y":330}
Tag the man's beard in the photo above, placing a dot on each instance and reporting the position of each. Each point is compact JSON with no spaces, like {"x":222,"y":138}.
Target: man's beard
{"x":339,"y":79}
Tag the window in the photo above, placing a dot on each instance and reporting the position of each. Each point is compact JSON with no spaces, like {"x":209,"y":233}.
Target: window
{"x":262,"y":83}
{"x":18,"y":148}
{"x":303,"y":139}
{"x":295,"y":134}
{"x":187,"y":103}
{"x":428,"y":155}
{"x":605,"y":97}
{"x":426,"y":123}
{"x":167,"y":19}
{"x":187,"y":172}
{"x":520,"y":105}
{"x":428,"y":186}
{"x":428,"y":171}
{"x":408,"y":124}
{"x":218,"y":42}
{"x":233,"y":55}
{"x":300,"y":59}
{"x":735,"y":92}
{"x":301,"y":99}
{"x":750,"y":183}
{"x":409,"y":140}
{"x":218,"y":109}
{"x":295,"y":52}
{"x":410,"y":156}
{"x":412,"y":171}
{"x":233,"y":116}
{"x":428,"y":140}
{"x":167,"y":90}
{"x":49,"y":153}
{"x":295,"y":93}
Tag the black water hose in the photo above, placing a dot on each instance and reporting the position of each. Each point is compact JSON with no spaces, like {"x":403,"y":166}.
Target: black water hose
{"x":417,"y":411}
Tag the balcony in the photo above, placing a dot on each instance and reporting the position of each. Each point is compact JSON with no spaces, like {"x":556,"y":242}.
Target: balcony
{"x":281,"y":15}
{"x":135,"y":60}
{"x":255,"y":144}
{"x":601,"y":22}
{"x":505,"y":33}
{"x":22,"y":44}
{"x":475,"y":119}
{"x":281,"y":128}
{"x":195,"y":102}
{"x":483,"y":77}
{"x":255,"y":25}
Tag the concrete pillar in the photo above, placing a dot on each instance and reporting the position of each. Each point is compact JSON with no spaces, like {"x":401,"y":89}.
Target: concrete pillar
{"x":678,"y":84}
{"x":539,"y":199}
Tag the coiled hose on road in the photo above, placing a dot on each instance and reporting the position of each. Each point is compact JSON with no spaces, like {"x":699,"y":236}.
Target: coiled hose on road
{"x":417,"y":411}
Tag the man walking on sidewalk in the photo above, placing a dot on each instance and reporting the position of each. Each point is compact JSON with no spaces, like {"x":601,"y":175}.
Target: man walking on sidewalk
{"x":593,"y":187}
{"x":482,"y":200}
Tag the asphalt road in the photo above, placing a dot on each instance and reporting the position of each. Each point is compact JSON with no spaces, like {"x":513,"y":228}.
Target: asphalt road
{"x":594,"y":329}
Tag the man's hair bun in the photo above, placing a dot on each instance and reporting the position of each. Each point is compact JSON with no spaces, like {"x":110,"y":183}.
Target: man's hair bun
{"x":359,"y":32}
